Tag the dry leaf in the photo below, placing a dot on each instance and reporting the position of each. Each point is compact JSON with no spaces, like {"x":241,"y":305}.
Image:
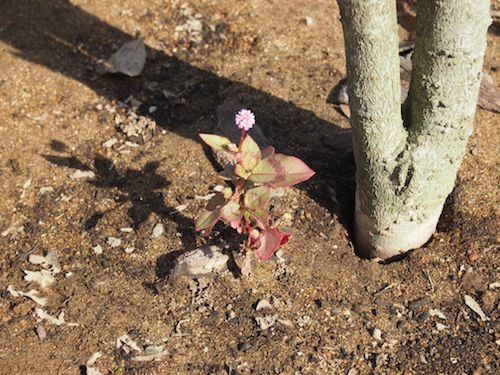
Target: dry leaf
{"x":489,"y":95}
{"x":44,"y":277}
{"x":41,"y":314}
{"x":474,"y":306}
{"x":407,"y":17}
{"x":346,"y":111}
{"x":32,"y":294}
{"x":91,"y":369}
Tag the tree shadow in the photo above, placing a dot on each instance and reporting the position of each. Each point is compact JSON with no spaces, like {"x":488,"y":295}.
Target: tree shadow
{"x":141,"y":188}
{"x":68,"y":40}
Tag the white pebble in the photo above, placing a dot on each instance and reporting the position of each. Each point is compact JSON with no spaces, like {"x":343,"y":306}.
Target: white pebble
{"x":114,"y":241}
{"x":97,"y":249}
{"x":377,"y":334}
{"x":158,"y":230}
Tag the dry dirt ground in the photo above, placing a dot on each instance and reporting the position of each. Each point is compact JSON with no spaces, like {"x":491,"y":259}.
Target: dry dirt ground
{"x":336,"y":313}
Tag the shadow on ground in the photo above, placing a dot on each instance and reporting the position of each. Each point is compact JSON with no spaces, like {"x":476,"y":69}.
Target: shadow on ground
{"x":141,"y":188}
{"x":70,"y":41}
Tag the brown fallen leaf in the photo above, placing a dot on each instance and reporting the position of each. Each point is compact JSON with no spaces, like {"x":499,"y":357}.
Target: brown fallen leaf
{"x":407,"y":18}
{"x":345,"y":110}
{"x":489,"y":95}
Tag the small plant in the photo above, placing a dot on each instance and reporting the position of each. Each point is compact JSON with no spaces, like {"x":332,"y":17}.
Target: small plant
{"x":244,"y":203}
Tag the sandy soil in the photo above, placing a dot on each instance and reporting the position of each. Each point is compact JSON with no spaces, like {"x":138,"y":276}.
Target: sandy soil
{"x":57,"y":110}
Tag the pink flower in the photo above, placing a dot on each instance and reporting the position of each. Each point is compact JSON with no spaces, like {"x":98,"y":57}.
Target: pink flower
{"x":245,"y":119}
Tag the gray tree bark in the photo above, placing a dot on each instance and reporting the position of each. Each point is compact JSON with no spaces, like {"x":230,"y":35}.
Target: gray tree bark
{"x":406,"y":165}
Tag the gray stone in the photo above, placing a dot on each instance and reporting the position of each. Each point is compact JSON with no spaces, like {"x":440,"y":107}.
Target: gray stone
{"x":203,"y":261}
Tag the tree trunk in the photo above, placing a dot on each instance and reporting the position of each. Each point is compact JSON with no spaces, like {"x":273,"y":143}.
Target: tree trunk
{"x":405,"y":168}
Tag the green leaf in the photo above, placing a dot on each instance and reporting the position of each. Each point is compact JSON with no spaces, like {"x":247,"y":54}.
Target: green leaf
{"x":227,"y":192}
{"x":207,"y":220}
{"x":260,"y":217}
{"x":217,"y":142}
{"x":281,"y":170}
{"x":250,"y":153}
{"x":240,"y":171}
{"x":231,"y":211}
{"x":257,"y":197}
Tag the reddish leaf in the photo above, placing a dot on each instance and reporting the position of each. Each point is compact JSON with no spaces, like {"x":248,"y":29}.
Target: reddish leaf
{"x":270,"y":241}
{"x":489,"y":95}
{"x":250,"y":153}
{"x":257,"y":197}
{"x":281,"y":171}
{"x":231,"y":211}
{"x":267,"y":152}
{"x":217,"y":142}
{"x":207,"y":220}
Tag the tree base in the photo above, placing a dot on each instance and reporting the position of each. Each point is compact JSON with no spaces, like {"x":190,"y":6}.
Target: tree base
{"x":372,"y":242}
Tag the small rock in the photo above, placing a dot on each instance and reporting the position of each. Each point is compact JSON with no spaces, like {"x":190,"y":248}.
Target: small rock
{"x":440,"y":327}
{"x":286,"y":322}
{"x":180,"y":208}
{"x":45,"y":189}
{"x":78,"y":174}
{"x":377,"y":334}
{"x":129,"y":250}
{"x":200,"y":262}
{"x":246,"y":265}
{"x":126,"y":344}
{"x":263,"y":304}
{"x":266,"y":322}
{"x":91,"y":370}
{"x":114,"y":241}
{"x":158,"y":231}
{"x":126,"y":230}
{"x":309,"y":20}
{"x":27,"y":184}
{"x":303,"y":320}
{"x":128,"y":60}
{"x":97,"y":250}
{"x":109,"y":143}
{"x":40,"y":332}
{"x":495,"y":285}
{"x":438,"y":313}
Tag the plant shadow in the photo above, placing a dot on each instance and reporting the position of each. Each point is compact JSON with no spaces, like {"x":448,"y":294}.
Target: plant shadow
{"x":141,"y":188}
{"x":70,"y":41}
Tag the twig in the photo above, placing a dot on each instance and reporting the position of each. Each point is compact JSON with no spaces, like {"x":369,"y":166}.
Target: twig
{"x":431,"y":283}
